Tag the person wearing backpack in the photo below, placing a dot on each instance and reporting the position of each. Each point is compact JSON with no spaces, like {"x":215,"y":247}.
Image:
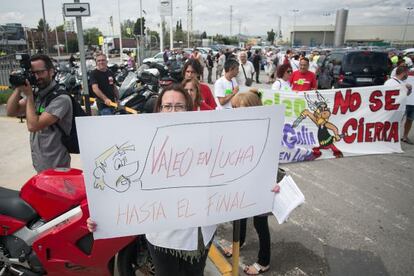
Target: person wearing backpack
{"x":43,"y":119}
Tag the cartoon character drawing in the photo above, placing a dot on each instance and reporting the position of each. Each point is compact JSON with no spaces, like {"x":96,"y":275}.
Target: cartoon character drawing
{"x":113,"y":170}
{"x":320,"y":116}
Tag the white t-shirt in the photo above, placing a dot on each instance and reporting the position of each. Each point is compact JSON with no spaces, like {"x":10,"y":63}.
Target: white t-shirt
{"x":410,"y":98}
{"x":281,"y":85}
{"x":394,"y":82}
{"x":181,"y":239}
{"x":313,"y":67}
{"x":294,"y":64}
{"x":223,"y":87}
{"x":221,"y":60}
{"x":393,"y":73}
{"x":249,"y":69}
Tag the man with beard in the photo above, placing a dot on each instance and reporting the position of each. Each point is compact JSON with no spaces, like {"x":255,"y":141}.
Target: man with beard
{"x":43,"y":115}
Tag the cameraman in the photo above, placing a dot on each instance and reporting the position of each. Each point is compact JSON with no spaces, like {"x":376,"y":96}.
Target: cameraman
{"x":45,"y":139}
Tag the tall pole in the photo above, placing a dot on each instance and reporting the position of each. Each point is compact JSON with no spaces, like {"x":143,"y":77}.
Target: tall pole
{"x":81,"y":43}
{"x":189,"y":21}
{"x":45,"y":28}
{"x":231,"y":19}
{"x":141,"y":49}
{"x":294,"y":25}
{"x":324,"y":32}
{"x":162,"y":34}
{"x":406,"y":23}
{"x":64,"y":30}
{"x":26,"y":33}
{"x":171,"y":27}
{"x":57,"y":41}
{"x":120,"y":33}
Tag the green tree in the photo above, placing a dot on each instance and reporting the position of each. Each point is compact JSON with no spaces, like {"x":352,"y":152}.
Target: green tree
{"x":91,"y":36}
{"x":154,"y":37}
{"x":137,"y":26}
{"x":41,"y":26}
{"x":203,"y":35}
{"x":180,"y":35}
{"x":271,"y":36}
{"x":60,"y":28}
{"x":227,"y":40}
{"x":128,"y":28}
{"x":73,"y":45}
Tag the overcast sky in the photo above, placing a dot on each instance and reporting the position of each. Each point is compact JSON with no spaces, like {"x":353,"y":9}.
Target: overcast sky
{"x":213,"y":16}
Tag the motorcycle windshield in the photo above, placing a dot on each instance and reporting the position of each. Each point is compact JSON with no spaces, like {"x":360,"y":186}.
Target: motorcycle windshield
{"x":129,"y":82}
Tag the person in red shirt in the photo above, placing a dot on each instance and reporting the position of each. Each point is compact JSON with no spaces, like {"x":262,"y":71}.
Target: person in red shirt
{"x":303,"y":79}
{"x":193,"y":69}
{"x":192,"y":86}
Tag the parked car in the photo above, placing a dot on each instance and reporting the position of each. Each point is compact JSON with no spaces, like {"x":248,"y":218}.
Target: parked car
{"x":353,"y":68}
{"x":158,"y":58}
{"x":409,"y":51}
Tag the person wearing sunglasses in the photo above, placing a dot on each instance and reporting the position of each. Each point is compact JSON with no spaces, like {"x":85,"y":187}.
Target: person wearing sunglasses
{"x":283,"y":75}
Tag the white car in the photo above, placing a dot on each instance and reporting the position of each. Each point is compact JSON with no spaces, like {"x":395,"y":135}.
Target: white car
{"x":408,"y":51}
{"x":158,"y":58}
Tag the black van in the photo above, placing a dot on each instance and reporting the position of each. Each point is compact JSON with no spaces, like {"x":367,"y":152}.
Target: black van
{"x":353,"y":68}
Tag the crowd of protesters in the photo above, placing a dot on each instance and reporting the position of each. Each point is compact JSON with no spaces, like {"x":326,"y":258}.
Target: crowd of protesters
{"x":235,"y":72}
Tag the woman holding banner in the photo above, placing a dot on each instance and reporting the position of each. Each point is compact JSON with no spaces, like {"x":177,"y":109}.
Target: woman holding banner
{"x":184,"y":251}
{"x":252,"y":98}
{"x":177,"y":252}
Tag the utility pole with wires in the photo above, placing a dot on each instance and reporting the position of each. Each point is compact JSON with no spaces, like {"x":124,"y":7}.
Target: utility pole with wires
{"x":189,"y":21}
{"x":231,"y":19}
{"x":45,"y":28}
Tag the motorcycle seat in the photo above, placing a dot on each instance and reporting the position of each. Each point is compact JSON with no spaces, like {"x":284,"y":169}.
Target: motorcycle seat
{"x":13,"y":206}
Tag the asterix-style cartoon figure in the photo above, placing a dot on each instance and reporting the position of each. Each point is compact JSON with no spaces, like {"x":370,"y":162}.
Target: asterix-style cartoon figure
{"x":320,"y":116}
{"x":113,"y":170}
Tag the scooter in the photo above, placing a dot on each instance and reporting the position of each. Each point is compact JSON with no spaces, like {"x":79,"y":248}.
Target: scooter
{"x":69,"y":77}
{"x":170,"y":73}
{"x":43,"y":231}
{"x":139,"y":90}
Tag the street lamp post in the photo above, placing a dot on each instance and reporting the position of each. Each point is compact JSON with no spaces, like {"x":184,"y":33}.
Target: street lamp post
{"x":120,"y":34}
{"x":45,"y":29}
{"x":141,"y":52}
{"x":294,"y":25}
{"x":324,"y":31}
{"x":406,"y":23}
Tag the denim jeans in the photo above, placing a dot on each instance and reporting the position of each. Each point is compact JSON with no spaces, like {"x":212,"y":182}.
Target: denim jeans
{"x":106,"y":111}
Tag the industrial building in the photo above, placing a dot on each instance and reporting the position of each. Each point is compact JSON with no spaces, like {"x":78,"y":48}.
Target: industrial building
{"x":380,"y":35}
{"x":342,"y":34}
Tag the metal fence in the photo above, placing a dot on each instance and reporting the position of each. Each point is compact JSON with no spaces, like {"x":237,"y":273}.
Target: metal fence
{"x":7,"y":65}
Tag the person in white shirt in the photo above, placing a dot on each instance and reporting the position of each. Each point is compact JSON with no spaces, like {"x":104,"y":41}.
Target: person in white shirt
{"x":283,"y":75}
{"x":246,"y":70}
{"x":226,"y":87}
{"x":401,"y":75}
{"x":220,"y":64}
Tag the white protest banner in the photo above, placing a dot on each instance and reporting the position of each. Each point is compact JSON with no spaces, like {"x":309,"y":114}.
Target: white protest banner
{"x":339,"y":122}
{"x":155,"y":172}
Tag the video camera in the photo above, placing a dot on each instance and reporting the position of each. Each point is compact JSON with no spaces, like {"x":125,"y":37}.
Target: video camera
{"x":20,"y":76}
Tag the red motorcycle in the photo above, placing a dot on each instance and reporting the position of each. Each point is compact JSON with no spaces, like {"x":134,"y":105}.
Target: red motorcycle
{"x":43,"y":231}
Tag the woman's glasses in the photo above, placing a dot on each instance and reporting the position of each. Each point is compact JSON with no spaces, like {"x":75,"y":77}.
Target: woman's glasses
{"x":170,"y":107}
